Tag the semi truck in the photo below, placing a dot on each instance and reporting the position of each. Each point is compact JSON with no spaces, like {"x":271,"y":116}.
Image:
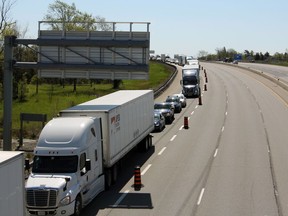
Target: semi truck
{"x":191,"y":81}
{"x":78,"y":154}
{"x":12,"y":198}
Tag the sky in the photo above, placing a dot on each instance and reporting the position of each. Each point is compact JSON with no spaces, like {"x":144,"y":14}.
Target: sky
{"x":183,"y":27}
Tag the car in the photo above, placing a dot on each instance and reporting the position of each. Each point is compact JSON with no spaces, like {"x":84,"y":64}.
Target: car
{"x":235,"y":62}
{"x":175,"y":100}
{"x":159,"y":121}
{"x":167,"y":110}
{"x":182,"y":99}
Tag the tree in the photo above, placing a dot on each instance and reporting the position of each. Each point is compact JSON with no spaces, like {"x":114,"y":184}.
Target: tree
{"x":67,"y":17}
{"x":6,"y":23}
{"x":7,"y":27}
{"x":261,"y":56}
{"x":202,"y":53}
{"x":246,"y":53}
{"x":257,"y":56}
{"x":221,"y":53}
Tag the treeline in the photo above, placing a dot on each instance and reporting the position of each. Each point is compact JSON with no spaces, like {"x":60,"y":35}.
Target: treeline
{"x":249,"y":56}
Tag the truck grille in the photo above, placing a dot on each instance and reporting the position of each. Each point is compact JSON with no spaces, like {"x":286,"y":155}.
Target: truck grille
{"x":41,"y":198}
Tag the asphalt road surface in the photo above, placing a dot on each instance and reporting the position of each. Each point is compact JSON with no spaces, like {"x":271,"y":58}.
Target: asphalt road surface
{"x":279,"y":72}
{"x":231,"y":161}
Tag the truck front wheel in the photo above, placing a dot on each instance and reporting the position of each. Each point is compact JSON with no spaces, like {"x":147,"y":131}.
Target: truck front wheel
{"x":78,"y":206}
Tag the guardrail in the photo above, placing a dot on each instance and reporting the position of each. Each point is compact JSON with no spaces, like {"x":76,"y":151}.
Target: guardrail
{"x":276,"y":80}
{"x":165,"y":85}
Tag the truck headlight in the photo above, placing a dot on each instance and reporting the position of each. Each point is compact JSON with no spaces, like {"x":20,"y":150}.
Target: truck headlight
{"x":65,"y":201}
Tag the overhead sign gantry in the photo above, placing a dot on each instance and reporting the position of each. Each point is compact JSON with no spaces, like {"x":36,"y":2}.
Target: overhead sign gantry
{"x":116,"y":54}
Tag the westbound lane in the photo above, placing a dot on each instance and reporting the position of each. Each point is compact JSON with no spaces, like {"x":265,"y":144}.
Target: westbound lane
{"x":178,"y":169}
{"x":229,"y":162}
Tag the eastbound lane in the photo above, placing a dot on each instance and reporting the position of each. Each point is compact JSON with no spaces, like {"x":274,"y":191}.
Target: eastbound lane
{"x":241,"y":181}
{"x":273,"y":70}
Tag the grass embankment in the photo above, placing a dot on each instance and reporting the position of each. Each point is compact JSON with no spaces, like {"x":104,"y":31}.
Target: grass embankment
{"x":52,"y":98}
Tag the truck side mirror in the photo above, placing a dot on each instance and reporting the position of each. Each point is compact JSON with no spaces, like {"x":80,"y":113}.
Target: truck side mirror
{"x":27,"y":164}
{"x":66,"y":180}
{"x":88,"y":165}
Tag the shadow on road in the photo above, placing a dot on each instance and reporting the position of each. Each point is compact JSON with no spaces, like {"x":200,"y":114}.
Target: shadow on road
{"x":115,"y":198}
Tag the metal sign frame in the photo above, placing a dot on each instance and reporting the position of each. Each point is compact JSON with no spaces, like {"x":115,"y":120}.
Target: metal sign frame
{"x":122,"y":64}
{"x":90,"y":54}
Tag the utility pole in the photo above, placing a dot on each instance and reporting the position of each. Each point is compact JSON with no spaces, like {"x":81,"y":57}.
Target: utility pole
{"x":9,"y":43}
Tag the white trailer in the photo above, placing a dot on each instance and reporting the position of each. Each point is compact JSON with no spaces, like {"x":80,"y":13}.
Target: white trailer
{"x":78,"y":153}
{"x":12,"y":183}
{"x":127,"y":118}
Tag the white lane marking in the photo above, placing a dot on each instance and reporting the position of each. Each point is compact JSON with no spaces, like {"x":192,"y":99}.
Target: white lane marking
{"x":192,"y":113}
{"x":196,"y":106}
{"x":222,"y":129}
{"x":226,"y":113}
{"x":120,"y":198}
{"x":162,"y":150}
{"x":188,"y":118}
{"x":146,"y":169}
{"x":181,"y":127}
{"x":216,"y":152}
{"x":173,"y":138}
{"x":201,"y":195}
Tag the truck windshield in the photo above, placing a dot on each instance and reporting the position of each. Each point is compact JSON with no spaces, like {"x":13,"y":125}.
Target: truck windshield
{"x":55,"y":164}
{"x":192,"y":80}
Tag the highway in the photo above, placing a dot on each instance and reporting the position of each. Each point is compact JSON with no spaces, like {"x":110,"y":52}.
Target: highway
{"x":279,"y":72}
{"x":232,"y":160}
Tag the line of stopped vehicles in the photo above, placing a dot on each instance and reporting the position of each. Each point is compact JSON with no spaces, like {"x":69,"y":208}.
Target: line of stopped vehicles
{"x":164,"y":111}
{"x":190,"y":82}
{"x":79,"y":153}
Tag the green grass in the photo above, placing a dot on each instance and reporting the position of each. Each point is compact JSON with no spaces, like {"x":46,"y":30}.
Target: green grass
{"x":53,"y":98}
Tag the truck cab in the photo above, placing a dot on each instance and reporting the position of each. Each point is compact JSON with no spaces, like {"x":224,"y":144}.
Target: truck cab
{"x":191,"y":81}
{"x":67,"y":170}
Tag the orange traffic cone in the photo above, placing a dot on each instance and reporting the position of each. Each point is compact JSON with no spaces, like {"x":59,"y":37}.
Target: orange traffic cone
{"x":200,"y":100}
{"x":137,"y":179}
{"x":186,"y":126}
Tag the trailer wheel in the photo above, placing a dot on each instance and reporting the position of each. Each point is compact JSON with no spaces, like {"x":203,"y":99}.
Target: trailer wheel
{"x":114,"y":173}
{"x":150,"y":141}
{"x":108,"y":179}
{"x":78,"y":206}
{"x":146,"y":144}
